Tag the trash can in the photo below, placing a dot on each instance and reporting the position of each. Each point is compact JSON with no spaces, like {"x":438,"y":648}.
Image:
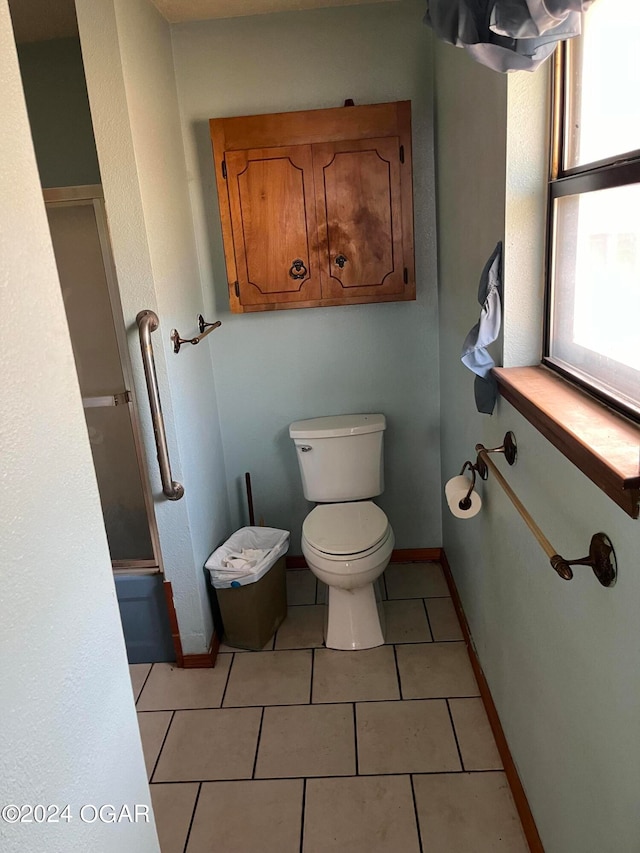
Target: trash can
{"x":248,"y":574}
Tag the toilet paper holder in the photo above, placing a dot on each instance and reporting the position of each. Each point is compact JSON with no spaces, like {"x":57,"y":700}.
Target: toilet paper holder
{"x":601,"y":557}
{"x":510,"y":450}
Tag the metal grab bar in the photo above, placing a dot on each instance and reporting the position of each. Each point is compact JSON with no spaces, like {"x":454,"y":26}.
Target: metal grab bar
{"x":148,"y":322}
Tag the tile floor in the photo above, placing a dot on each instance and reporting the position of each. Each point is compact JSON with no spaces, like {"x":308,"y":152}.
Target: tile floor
{"x":302,"y":749}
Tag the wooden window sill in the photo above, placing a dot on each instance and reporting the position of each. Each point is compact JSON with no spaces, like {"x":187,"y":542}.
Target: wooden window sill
{"x":604,"y":445}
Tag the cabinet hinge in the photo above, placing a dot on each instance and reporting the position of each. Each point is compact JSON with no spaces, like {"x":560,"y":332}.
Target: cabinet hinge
{"x":402,"y":153}
{"x":236,"y":287}
{"x":406,"y":276}
{"x":224,"y":169}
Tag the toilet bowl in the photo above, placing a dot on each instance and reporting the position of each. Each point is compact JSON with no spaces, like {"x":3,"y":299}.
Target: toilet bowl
{"x":348,"y":546}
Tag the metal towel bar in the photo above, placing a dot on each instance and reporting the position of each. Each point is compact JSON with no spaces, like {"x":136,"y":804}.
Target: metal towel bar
{"x":601,"y":557}
{"x":148,"y":322}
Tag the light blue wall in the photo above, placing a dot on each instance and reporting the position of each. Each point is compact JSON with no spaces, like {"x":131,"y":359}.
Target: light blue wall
{"x":277,"y":367}
{"x":56,"y":95}
{"x":561,"y":658}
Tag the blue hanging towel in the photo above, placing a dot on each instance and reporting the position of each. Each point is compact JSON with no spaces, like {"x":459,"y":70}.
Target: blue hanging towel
{"x":474,"y":350}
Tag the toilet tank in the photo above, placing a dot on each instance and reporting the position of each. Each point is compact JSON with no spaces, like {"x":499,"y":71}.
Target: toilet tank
{"x":340,"y":457}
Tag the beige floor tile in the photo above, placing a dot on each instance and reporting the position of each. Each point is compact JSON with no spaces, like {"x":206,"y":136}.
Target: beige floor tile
{"x":153,"y":727}
{"x":406,"y":622}
{"x":415,"y":580}
{"x":226,"y":649}
{"x":138,"y":673}
{"x":171,"y":688}
{"x":475,"y":738}
{"x":468,"y":812}
{"x":405,"y":737}
{"x":301,"y":587}
{"x":303,"y":628}
{"x":443,"y":619}
{"x":307,"y":740}
{"x":173,"y":807}
{"x":218,"y":744}
{"x":360,"y":814}
{"x":367,"y":674}
{"x":248,"y":817}
{"x":432,"y":670}
{"x":269,"y":678}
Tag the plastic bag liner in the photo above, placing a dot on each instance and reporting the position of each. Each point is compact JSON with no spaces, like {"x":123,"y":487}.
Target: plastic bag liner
{"x":223,"y":577}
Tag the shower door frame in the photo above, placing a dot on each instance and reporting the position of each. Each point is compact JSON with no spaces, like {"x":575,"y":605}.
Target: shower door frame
{"x":93,"y":194}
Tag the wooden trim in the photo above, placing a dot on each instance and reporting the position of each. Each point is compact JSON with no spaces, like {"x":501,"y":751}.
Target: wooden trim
{"x":600,"y":442}
{"x":408,"y":296}
{"x":173,"y":621}
{"x":306,"y":127}
{"x":517,"y":791}
{"x":206,"y":660}
{"x":415,"y":555}
{"x":201,"y":661}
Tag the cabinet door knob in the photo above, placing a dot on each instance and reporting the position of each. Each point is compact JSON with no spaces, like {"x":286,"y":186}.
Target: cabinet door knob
{"x":298,"y":269}
{"x":341,"y":261}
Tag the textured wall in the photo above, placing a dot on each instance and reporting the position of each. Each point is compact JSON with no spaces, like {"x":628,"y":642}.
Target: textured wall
{"x":561,"y":658}
{"x":277,"y":367}
{"x":69,"y":729}
{"x":128,"y":61}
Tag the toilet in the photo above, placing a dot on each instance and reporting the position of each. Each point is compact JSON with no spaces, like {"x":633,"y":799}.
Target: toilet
{"x":346,"y":539}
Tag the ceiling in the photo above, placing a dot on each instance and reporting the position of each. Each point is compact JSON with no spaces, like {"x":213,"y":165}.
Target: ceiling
{"x":200,"y":10}
{"x":40,"y":20}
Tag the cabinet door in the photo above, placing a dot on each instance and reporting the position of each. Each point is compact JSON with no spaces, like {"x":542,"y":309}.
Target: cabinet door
{"x":273,"y":218}
{"x":359,"y":210}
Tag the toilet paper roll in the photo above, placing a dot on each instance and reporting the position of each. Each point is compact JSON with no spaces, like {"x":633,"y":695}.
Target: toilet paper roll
{"x":455,"y":490}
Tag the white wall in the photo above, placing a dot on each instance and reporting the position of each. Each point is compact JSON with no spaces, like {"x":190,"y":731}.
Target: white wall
{"x":561,"y":658}
{"x":277,"y":367}
{"x":69,"y":728}
{"x":128,"y":63}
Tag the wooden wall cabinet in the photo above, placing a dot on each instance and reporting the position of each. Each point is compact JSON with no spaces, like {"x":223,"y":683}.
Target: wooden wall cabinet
{"x":316,"y":206}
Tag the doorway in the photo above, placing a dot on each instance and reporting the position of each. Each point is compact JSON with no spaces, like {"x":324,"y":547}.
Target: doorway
{"x":80,"y":237}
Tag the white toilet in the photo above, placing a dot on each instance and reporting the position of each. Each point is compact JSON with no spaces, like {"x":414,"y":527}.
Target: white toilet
{"x":347,"y":540}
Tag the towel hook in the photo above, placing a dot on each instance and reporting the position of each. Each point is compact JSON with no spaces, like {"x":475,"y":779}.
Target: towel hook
{"x":205,"y":329}
{"x":510,"y":450}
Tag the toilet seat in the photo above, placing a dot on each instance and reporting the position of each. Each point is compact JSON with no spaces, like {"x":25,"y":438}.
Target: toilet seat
{"x":344,"y":531}
{"x":344,"y":565}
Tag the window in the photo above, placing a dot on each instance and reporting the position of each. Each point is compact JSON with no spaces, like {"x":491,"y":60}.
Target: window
{"x":593,"y":294}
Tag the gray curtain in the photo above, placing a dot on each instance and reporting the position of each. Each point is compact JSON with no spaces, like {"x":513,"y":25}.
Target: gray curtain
{"x":506,"y":35}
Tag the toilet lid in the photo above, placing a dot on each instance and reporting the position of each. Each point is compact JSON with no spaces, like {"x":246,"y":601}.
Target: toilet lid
{"x":345,"y":528}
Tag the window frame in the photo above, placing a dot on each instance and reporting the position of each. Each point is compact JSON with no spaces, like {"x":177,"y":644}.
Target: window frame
{"x":615,"y":171}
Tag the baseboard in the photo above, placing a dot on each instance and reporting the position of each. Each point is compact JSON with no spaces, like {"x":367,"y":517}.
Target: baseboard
{"x":400,"y":555}
{"x":295,"y":562}
{"x":201,"y":661}
{"x":173,"y":621}
{"x":517,"y":791}
{"x":415,"y":555}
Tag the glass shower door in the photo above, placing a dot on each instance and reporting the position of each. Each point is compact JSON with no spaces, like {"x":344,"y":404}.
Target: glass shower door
{"x":83,"y":257}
